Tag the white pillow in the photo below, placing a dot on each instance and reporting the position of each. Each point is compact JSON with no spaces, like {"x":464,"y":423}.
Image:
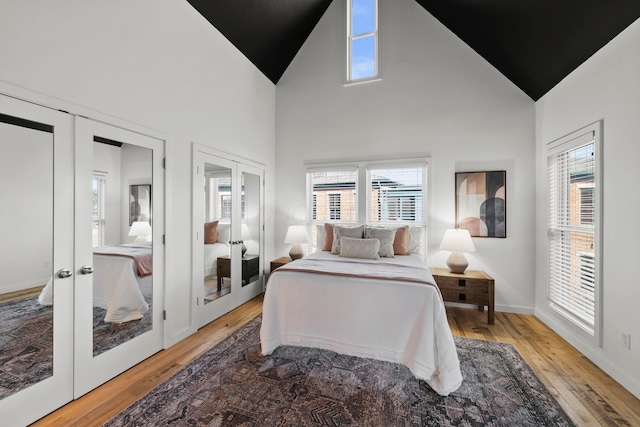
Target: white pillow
{"x":319,"y":237}
{"x":386,"y":237}
{"x":339,"y":232}
{"x":224,"y":233}
{"x":359,"y":248}
{"x":415,"y":240}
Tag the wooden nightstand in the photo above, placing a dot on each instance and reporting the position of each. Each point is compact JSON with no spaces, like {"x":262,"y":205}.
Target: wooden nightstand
{"x":472,"y":287}
{"x":279,"y":262}
{"x":250,"y":268}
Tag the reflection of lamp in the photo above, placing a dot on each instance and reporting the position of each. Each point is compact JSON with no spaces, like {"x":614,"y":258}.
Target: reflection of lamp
{"x":244,"y":235}
{"x":457,"y":241}
{"x":296,"y":235}
{"x":142,"y":230}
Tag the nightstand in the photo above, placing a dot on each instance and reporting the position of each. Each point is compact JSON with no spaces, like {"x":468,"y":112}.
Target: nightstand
{"x":250,"y":268}
{"x":472,"y":287}
{"x":279,"y":262}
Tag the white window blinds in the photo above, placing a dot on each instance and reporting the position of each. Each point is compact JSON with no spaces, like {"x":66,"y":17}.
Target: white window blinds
{"x":395,"y":194}
{"x":573,"y":192}
{"x":331,"y":197}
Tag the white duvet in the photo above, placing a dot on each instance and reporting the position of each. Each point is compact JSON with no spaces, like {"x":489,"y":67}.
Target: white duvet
{"x":392,"y":320}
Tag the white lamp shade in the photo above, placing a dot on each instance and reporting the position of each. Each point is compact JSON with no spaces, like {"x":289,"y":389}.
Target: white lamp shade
{"x":140,"y":228}
{"x":245,"y":234}
{"x":296,"y":234}
{"x":457,"y":240}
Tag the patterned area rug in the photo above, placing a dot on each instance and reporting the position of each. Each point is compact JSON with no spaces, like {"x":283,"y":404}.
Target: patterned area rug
{"x":26,"y":341}
{"x":232,"y":384}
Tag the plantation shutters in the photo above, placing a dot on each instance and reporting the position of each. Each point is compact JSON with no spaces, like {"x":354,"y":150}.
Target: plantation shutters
{"x":574,"y":192}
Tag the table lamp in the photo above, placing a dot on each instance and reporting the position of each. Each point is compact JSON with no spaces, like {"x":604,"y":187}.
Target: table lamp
{"x":457,"y":241}
{"x":296,"y":235}
{"x":142,"y":231}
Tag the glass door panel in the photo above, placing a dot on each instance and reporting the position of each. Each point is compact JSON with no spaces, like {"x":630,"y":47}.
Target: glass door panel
{"x":36,"y":277}
{"x":213,"y":230}
{"x":118,"y":251}
{"x":251,"y":232}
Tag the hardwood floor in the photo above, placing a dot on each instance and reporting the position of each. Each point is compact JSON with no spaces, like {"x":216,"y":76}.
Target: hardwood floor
{"x":588,"y":395}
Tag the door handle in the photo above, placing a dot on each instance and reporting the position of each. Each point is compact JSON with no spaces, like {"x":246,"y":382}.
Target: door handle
{"x":86,"y":269}
{"x":64,"y":273}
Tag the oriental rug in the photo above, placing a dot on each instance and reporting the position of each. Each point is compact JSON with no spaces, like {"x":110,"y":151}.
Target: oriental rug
{"x":232,"y":384}
{"x":26,"y":341}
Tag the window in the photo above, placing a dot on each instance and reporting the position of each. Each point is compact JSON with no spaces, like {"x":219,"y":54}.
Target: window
{"x":574,"y":189}
{"x":99,"y":192}
{"x":334,"y":206}
{"x":394,"y":195}
{"x":362,"y":39}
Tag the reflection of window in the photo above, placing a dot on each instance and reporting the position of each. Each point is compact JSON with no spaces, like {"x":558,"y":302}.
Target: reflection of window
{"x":225,"y":206}
{"x":334,"y":206}
{"x":99,"y":184}
{"x":362,"y":43}
{"x":573,"y":181}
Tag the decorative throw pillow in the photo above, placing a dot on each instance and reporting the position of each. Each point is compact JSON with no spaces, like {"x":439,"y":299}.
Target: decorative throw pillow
{"x":338,"y":232}
{"x":415,"y":240}
{"x":224,"y":233}
{"x":401,"y":241}
{"x":328,"y":237}
{"x":386,"y":237}
{"x":210,"y":232}
{"x":359,"y":248}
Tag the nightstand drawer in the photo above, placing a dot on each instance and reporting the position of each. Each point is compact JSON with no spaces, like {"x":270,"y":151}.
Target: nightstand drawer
{"x":456,"y":283}
{"x":466,"y":297}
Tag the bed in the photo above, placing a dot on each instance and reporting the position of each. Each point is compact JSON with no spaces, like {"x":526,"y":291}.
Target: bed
{"x":388,"y":309}
{"x":122,"y":276}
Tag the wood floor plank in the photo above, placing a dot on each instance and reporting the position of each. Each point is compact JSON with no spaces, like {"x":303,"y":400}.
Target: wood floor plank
{"x":588,"y":395}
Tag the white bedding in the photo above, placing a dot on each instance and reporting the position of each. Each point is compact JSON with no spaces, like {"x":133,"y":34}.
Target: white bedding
{"x":211,"y":254}
{"x":390,"y":320}
{"x":116,"y":288}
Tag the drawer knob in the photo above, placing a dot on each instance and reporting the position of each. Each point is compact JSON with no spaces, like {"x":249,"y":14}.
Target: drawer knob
{"x":462,"y":282}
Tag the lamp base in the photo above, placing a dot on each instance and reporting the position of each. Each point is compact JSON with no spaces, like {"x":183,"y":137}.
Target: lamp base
{"x":296,"y":252}
{"x":457,"y":263}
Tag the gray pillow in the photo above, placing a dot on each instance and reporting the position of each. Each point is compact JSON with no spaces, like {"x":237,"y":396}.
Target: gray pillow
{"x":339,"y":232}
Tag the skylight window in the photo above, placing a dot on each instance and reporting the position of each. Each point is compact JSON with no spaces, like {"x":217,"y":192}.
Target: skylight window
{"x":362,"y":40}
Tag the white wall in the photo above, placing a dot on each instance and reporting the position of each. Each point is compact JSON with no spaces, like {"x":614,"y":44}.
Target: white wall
{"x":154,"y":66}
{"x":436,"y":98}
{"x":605,"y":87}
{"x":26,"y":212}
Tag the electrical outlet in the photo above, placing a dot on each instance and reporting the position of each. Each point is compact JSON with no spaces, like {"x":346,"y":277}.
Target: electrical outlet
{"x":626,"y":340}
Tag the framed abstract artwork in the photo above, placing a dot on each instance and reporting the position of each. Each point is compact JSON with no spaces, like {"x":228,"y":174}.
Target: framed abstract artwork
{"x":139,"y":203}
{"x":481,"y":203}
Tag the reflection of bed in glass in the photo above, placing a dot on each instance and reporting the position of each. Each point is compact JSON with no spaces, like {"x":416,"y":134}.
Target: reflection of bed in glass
{"x":122,"y":282}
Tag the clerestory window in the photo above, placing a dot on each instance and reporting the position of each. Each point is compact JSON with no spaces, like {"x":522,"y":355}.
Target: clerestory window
{"x":362,"y":40}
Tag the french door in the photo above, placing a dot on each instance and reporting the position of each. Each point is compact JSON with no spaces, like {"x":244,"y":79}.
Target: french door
{"x":74,"y":310}
{"x":228,"y":227}
{"x":118,"y":305}
{"x":36,"y":231}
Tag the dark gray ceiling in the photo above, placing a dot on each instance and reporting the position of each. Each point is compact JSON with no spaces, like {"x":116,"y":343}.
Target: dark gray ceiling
{"x":534,"y":43}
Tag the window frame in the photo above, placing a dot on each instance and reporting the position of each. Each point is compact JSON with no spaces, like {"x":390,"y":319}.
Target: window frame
{"x":351,"y":37}
{"x":559,"y":198}
{"x":362,"y":197}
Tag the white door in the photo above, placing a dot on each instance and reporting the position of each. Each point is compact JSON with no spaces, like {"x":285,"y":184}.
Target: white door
{"x":119,"y":253}
{"x":36,"y":231}
{"x":252,"y":217}
{"x":227,"y":235}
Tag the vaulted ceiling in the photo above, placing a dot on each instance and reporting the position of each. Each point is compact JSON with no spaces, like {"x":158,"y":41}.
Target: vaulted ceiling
{"x":534,"y":43}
